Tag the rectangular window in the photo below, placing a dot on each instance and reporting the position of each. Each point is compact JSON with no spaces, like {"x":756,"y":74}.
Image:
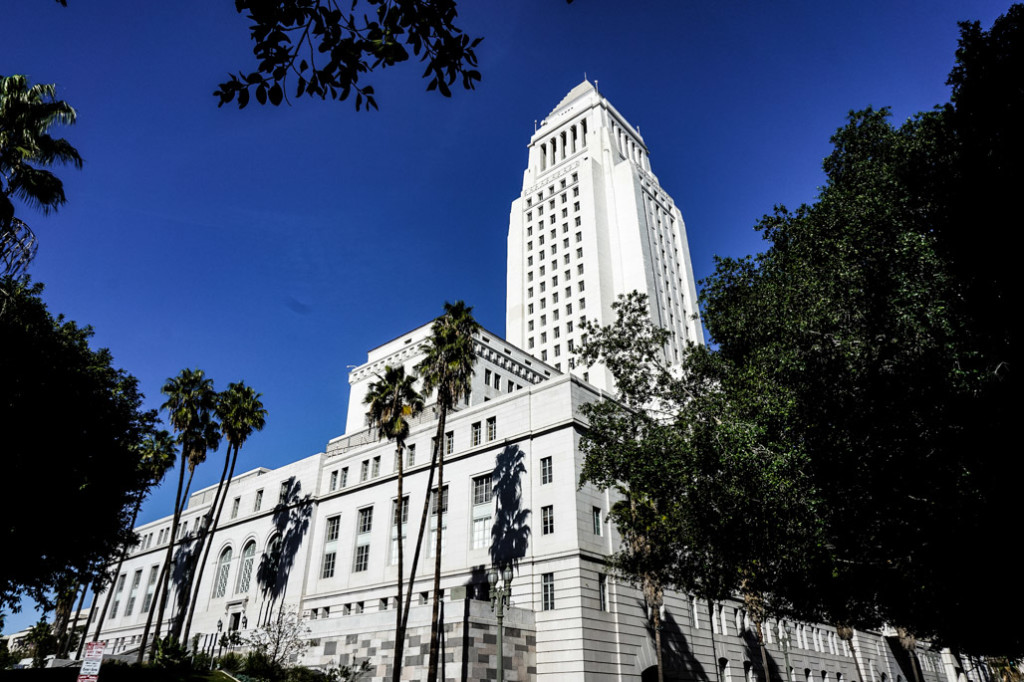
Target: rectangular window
{"x":547,"y":523}
{"x":487,"y":377}
{"x":334,"y":481}
{"x":333,"y":524}
{"x":282,"y":496}
{"x":365,"y":520}
{"x":405,"y":511}
{"x":344,"y":477}
{"x":259,"y":500}
{"x":475,"y":434}
{"x":235,"y":504}
{"x":602,"y":592}
{"x":376,"y":466}
{"x":150,"y":588}
{"x":117,"y":594}
{"x":497,"y":381}
{"x":327,"y":570}
{"x":481,"y":531}
{"x":547,"y":591}
{"x":361,"y":562}
{"x":136,"y":581}
{"x":597,"y":520}
{"x":410,"y":455}
{"x":511,"y":386}
{"x":545,"y":470}
{"x":449,"y":442}
{"x":364,"y":471}
{"x":492,"y":428}
{"x":444,"y":501}
{"x":482,"y":489}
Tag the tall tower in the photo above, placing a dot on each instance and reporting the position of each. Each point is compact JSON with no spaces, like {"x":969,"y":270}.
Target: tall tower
{"x":591,"y":223}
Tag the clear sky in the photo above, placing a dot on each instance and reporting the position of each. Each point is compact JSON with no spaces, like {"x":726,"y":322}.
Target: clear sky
{"x":278,"y":245}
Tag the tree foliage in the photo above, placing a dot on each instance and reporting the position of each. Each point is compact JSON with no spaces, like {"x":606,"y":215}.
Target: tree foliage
{"x":707,"y":502}
{"x":326,"y":46}
{"x":26,"y":151}
{"x":74,"y":424}
{"x":872,"y":335}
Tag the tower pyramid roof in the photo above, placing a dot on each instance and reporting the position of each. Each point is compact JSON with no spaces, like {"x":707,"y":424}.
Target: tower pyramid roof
{"x":580,"y":90}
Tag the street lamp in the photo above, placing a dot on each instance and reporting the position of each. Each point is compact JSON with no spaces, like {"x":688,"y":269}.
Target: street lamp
{"x":220,"y":639}
{"x":784,"y":640}
{"x":245,"y":622}
{"x":499,"y":601}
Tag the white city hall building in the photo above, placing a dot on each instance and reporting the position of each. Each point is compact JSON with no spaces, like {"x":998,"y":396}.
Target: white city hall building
{"x":318,"y":536}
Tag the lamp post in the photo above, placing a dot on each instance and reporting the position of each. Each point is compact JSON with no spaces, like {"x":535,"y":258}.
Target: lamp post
{"x":785,"y":642}
{"x":220,"y":640}
{"x":499,"y":601}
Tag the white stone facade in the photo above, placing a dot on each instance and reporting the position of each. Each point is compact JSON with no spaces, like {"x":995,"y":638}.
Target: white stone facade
{"x":512,"y":466}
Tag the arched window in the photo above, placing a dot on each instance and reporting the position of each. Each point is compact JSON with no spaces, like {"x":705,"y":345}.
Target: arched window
{"x":223,"y":567}
{"x":245,"y":572}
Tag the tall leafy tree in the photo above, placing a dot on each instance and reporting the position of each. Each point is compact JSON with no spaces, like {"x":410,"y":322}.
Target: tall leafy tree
{"x":393,"y":401}
{"x":191,"y":410}
{"x":325,"y":48}
{"x":706,"y":502}
{"x":241,"y":412}
{"x":26,"y":151}
{"x":158,"y":454}
{"x":54,"y":383}
{"x":876,"y":320}
{"x":448,"y":370}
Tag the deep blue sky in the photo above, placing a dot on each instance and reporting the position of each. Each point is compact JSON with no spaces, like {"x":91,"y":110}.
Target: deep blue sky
{"x":278,"y":245}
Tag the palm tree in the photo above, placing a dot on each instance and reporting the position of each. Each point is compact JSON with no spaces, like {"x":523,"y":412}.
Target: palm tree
{"x":157,"y":458}
{"x":393,"y":400}
{"x":448,"y":369}
{"x":26,"y":115}
{"x":191,"y":405}
{"x":241,"y":412}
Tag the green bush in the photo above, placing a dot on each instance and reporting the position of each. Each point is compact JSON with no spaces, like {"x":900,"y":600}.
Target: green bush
{"x":260,"y":666}
{"x":230,"y":662}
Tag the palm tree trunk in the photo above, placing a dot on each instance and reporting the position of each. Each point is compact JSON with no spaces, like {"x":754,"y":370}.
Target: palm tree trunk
{"x":846,"y":634}
{"x":396,"y":674}
{"x":215,"y":511}
{"x":179,"y":510}
{"x":88,"y":620}
{"x":74,"y":621}
{"x":434,"y":651}
{"x":110,"y":592}
{"x":161,"y":590}
{"x":419,"y":538}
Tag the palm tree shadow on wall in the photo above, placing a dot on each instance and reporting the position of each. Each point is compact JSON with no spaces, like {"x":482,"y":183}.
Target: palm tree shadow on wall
{"x":291,"y":523}
{"x":510,"y":534}
{"x":184,"y":564}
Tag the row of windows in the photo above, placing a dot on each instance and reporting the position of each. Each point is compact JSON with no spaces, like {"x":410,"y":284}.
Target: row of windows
{"x":370,"y":468}
{"x":551,"y":203}
{"x":481,"y":490}
{"x":557,"y":147}
{"x":551,"y":190}
{"x":580,"y":288}
{"x":494,"y":379}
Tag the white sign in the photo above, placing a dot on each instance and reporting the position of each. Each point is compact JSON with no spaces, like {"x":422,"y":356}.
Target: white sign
{"x":91,"y":662}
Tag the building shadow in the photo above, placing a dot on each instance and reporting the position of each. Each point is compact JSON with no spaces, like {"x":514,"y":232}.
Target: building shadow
{"x":476,"y":586}
{"x":510,"y":534}
{"x":681,"y":665}
{"x":291,"y":523}
{"x":752,"y":650}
